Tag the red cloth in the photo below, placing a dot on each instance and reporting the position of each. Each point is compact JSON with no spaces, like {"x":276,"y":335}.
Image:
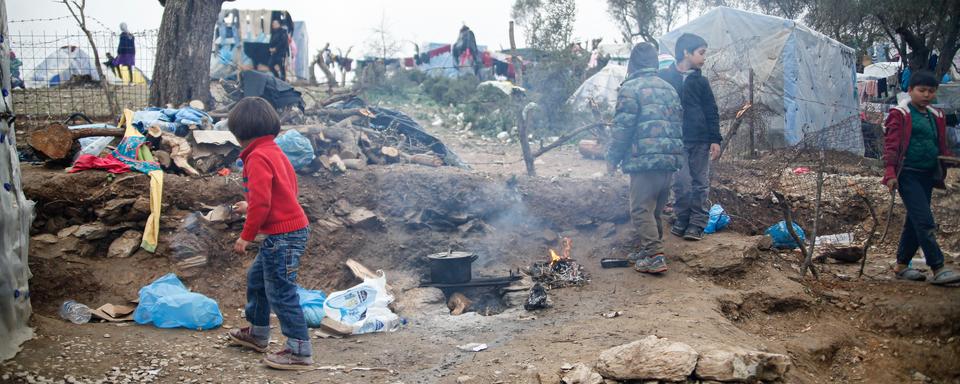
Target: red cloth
{"x":439,"y":51}
{"x":408,"y":62}
{"x":270,"y":186}
{"x":487,"y":59}
{"x":107,"y":163}
{"x":897,"y":138}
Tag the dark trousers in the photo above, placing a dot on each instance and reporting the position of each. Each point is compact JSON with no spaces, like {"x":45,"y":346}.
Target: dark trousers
{"x":272,"y":284}
{"x":919,"y":231}
{"x":691,"y":188}
{"x":278,"y":66}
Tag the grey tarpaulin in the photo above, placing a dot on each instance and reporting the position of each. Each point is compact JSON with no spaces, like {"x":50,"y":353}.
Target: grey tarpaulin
{"x":16,"y":214}
{"x":805,"y":81}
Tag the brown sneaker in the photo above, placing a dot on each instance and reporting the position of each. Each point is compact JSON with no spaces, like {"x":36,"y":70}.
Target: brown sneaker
{"x":244,"y":338}
{"x":286,"y":360}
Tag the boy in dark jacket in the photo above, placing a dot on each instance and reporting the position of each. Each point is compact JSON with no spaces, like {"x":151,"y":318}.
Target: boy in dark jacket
{"x":701,"y":136}
{"x":272,"y":208}
{"x":915,"y":136}
{"x":646,"y":144}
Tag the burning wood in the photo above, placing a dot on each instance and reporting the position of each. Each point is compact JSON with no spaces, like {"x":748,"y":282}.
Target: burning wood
{"x":561,"y":270}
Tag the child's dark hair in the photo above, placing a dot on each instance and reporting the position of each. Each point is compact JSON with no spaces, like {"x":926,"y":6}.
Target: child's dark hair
{"x":688,"y":42}
{"x":926,"y":78}
{"x":253,"y":117}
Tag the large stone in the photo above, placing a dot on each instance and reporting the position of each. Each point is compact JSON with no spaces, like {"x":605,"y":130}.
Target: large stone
{"x":739,"y":365}
{"x":125,"y":245}
{"x":92,"y":231}
{"x":648,"y":358}
{"x":582,"y":374}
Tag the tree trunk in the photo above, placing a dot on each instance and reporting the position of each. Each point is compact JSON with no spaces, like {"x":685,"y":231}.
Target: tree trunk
{"x":951,"y":42}
{"x":184,"y":46}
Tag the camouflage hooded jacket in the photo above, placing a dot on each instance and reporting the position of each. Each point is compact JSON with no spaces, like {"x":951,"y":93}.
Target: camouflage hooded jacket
{"x":647,"y":125}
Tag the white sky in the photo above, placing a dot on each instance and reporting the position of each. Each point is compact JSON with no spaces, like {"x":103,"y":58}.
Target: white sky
{"x":342,"y":23}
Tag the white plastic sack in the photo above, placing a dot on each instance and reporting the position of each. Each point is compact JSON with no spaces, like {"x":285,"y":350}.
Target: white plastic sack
{"x":363,"y":307}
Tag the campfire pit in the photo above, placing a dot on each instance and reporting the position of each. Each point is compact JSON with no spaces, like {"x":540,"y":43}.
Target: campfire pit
{"x":561,"y":270}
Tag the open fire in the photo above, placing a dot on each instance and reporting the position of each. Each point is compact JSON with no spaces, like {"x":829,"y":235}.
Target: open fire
{"x":561,"y":270}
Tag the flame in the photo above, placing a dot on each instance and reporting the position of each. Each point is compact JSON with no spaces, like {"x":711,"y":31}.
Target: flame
{"x":554,"y":257}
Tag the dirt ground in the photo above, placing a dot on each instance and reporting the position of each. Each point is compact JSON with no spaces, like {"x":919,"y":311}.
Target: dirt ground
{"x":723,"y":290}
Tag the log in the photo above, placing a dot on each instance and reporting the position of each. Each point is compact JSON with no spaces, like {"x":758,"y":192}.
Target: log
{"x":427,"y":159}
{"x":337,"y":164}
{"x":373,"y":155}
{"x":566,"y":137}
{"x":346,"y":138}
{"x":391,"y":154}
{"x":355,"y":164}
{"x":55,"y":141}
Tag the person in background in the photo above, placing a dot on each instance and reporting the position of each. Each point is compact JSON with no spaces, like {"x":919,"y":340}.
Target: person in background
{"x":126,"y":52}
{"x":15,"y":64}
{"x":915,"y":137}
{"x":701,"y":136}
{"x":646,"y":143}
{"x":272,"y":208}
{"x":279,"y":49}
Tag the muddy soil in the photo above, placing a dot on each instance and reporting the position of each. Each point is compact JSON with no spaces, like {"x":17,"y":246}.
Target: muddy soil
{"x":723,"y":290}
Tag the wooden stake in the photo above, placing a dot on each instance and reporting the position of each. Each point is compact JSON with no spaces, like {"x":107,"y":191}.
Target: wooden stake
{"x":808,"y":257}
{"x":788,"y":219}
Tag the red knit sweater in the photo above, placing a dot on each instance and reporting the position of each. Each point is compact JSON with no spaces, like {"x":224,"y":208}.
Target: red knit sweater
{"x":270,"y":186}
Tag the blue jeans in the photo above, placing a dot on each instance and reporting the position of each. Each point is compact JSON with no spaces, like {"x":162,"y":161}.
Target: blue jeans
{"x":919,"y":231}
{"x":271,"y":284}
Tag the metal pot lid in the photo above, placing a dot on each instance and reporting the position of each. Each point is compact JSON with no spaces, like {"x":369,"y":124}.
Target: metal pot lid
{"x":450,"y":255}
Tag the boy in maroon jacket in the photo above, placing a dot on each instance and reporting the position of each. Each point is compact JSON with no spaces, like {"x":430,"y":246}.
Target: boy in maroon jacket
{"x":915,"y":136}
{"x":270,"y":186}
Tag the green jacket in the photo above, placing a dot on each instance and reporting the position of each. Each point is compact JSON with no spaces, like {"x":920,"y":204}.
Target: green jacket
{"x":647,"y":125}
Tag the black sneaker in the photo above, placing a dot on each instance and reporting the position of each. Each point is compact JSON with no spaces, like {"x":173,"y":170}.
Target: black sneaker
{"x":677,"y":231}
{"x":693,"y":233}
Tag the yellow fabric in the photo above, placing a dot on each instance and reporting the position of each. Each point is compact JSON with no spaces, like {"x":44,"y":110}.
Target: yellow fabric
{"x":125,"y":75}
{"x":151,"y":232}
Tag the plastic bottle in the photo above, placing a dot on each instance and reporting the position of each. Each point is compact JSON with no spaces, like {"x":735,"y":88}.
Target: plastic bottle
{"x":75,"y":312}
{"x":380,"y":324}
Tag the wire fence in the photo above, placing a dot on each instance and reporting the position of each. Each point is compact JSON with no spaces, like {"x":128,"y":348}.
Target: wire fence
{"x":58,"y":74}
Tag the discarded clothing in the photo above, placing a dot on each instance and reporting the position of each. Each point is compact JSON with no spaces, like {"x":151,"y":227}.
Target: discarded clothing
{"x":132,"y":152}
{"x":128,"y":151}
{"x":173,"y":120}
{"x":107,"y":163}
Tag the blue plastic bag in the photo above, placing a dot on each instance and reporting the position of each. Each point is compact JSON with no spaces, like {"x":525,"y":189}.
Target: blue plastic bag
{"x":781,"y":237}
{"x":312,"y":303}
{"x":718,"y":219}
{"x":298,"y":148}
{"x":167,"y":303}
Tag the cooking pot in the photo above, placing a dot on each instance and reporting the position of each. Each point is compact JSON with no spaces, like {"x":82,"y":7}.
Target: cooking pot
{"x":451,"y":267}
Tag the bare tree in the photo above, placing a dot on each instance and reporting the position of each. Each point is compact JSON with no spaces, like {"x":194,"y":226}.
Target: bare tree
{"x":382,"y":42}
{"x":77,"y":10}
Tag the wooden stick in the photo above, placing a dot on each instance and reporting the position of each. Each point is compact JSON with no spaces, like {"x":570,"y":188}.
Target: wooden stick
{"x":788,"y":219}
{"x":886,"y":228}
{"x":873,"y":230}
{"x":525,"y":142}
{"x":565,"y":138}
{"x":808,"y":258}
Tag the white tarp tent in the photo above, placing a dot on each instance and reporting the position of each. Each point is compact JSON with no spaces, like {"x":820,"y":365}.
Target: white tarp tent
{"x":805,"y":82}
{"x":601,"y":88}
{"x":61,"y":65}
{"x":16,"y":214}
{"x":882,"y":70}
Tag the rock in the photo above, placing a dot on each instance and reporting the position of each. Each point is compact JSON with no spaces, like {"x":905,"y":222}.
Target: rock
{"x":765,"y":243}
{"x":581,"y":374}
{"x":503,"y":135}
{"x":548,"y":378}
{"x":125,"y":245}
{"x":68,"y":231}
{"x":719,"y":259}
{"x":363,"y":218}
{"x":735,"y":364}
{"x":92,"y":231}
{"x":464,"y":379}
{"x":648,"y":358}
{"x":919,"y":377}
{"x":45,"y":238}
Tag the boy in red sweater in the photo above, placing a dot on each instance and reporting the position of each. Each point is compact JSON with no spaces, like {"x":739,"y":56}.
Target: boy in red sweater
{"x":270,"y":186}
